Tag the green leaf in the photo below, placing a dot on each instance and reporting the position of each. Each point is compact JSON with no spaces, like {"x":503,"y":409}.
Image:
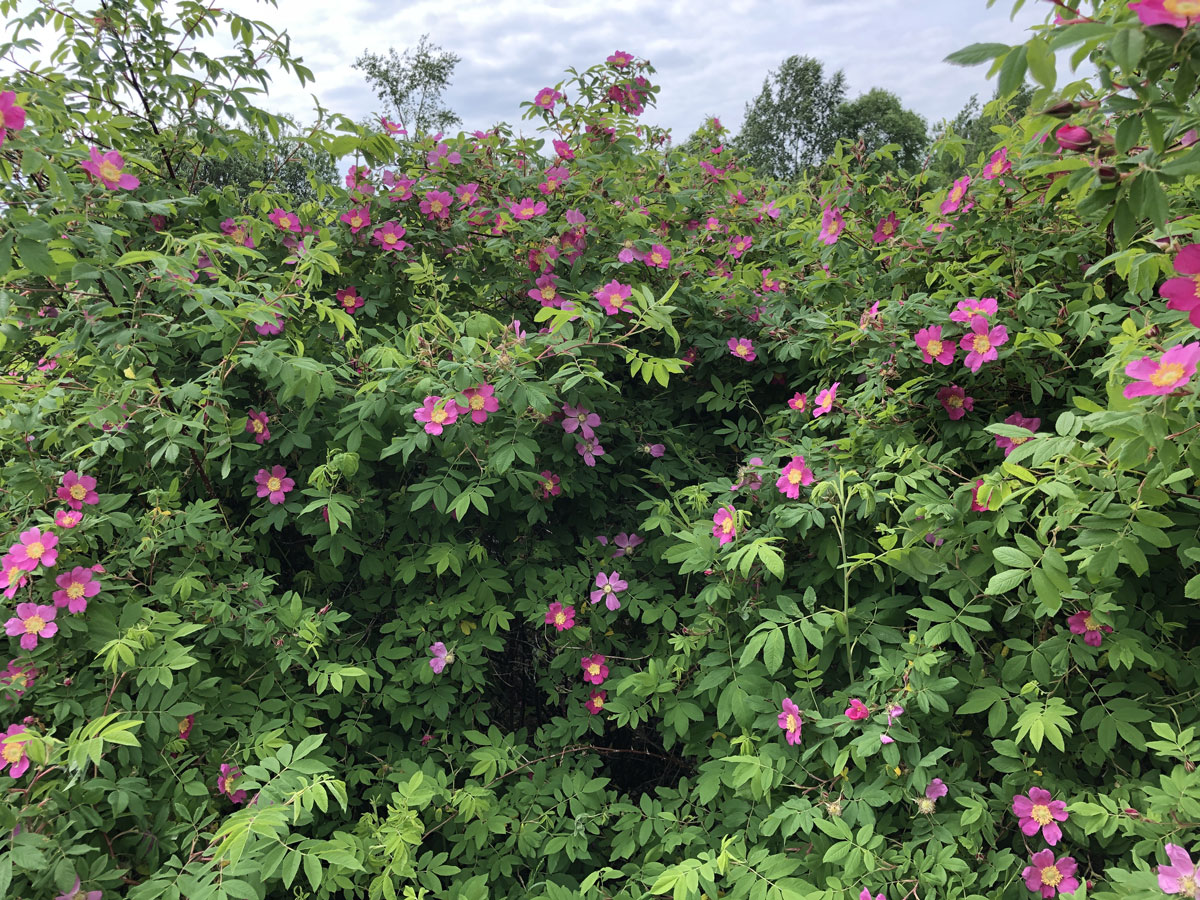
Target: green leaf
{"x":1126,"y":47}
{"x":36,"y":258}
{"x":1011,"y":556}
{"x":1012,"y":72}
{"x":1003,"y":582}
{"x":975,"y":54}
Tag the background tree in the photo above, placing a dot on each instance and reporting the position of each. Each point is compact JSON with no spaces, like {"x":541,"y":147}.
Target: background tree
{"x":789,"y":126}
{"x":285,"y":162}
{"x":968,"y":134}
{"x":877,"y":118}
{"x":411,"y":84}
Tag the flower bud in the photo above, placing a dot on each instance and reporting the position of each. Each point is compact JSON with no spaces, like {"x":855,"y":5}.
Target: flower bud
{"x":1073,"y":137}
{"x":1063,"y":109}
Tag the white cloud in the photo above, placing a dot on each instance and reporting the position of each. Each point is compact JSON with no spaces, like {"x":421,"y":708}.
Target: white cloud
{"x":711,"y":56}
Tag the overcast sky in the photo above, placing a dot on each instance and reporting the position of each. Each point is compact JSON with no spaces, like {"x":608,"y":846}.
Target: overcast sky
{"x":711,"y":56}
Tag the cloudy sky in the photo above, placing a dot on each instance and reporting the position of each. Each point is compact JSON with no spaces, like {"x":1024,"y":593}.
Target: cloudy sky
{"x":711,"y":56}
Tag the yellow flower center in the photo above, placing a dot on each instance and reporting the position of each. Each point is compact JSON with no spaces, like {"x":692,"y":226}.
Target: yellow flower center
{"x":273,"y":484}
{"x":35,"y":550}
{"x":109,"y":171}
{"x":78,"y":492}
{"x":560,"y":618}
{"x":956,"y":193}
{"x":1017,"y":442}
{"x":1183,"y":7}
{"x":285,"y":222}
{"x":258,"y":426}
{"x":1051,"y":877}
{"x":476,"y":402}
{"x":888,"y":227}
{"x":616,"y":302}
{"x":1041,"y":814}
{"x":598,"y":702}
{"x":656,"y":257}
{"x":954,"y":401}
{"x":548,"y":293}
{"x":741,"y":350}
{"x":13,"y":751}
{"x":794,"y":476}
{"x":1167,"y":374}
{"x":356,"y":222}
{"x":982,"y":343}
{"x":727,"y":526}
{"x":925,"y":805}
{"x":438,"y":416}
{"x":607,"y":589}
{"x":1187,"y":885}
{"x":1090,"y":623}
{"x":34,"y":625}
{"x":12,"y":575}
{"x":75,"y":590}
{"x":593,"y":669}
{"x":390,"y":238}
{"x":791,"y":722}
{"x":435,"y":206}
{"x":934,"y":348}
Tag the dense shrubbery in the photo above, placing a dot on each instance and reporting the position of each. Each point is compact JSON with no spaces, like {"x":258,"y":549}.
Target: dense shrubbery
{"x":581,"y":517}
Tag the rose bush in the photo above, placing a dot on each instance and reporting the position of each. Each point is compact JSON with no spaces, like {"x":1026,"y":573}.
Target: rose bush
{"x":868,"y":628}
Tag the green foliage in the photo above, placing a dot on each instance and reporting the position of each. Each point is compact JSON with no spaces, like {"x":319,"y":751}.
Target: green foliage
{"x":346,"y":680}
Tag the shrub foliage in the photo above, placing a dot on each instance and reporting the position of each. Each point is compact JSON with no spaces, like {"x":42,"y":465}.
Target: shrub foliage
{"x":572,"y":516}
